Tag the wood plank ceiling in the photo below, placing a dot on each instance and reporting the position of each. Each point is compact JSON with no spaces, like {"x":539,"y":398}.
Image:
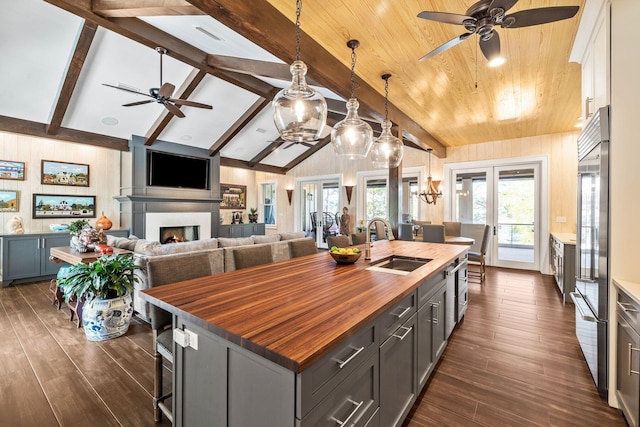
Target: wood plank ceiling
{"x":451,"y":99}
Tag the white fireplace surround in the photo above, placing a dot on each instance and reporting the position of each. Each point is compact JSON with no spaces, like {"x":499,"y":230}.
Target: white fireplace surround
{"x":153,"y":222}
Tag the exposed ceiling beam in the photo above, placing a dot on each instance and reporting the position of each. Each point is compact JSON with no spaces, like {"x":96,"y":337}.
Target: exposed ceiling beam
{"x":126,"y":8}
{"x":26,"y":127}
{"x":254,"y":67}
{"x":83,"y":43}
{"x":233,"y":130}
{"x":234,"y":163}
{"x":263,"y":24}
{"x":190,"y":84}
{"x":266,"y":151}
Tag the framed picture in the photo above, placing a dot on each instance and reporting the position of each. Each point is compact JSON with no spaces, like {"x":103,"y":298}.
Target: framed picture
{"x":9,"y":201}
{"x":63,"y":206}
{"x":233,"y":196}
{"x":11,"y":170}
{"x":59,"y":173}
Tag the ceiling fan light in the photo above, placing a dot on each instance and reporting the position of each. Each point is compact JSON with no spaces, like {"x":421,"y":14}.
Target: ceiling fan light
{"x":299,"y":111}
{"x":352,"y":137}
{"x":497,"y":61}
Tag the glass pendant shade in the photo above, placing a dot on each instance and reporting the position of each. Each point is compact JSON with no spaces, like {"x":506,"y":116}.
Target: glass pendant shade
{"x":387,"y":150}
{"x":352,"y":137}
{"x":299,"y":111}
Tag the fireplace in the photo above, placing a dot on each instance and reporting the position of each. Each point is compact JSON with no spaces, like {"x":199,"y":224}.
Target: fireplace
{"x":182,"y":233}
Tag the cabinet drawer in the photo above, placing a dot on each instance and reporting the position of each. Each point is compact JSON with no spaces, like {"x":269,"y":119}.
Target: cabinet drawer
{"x":318,"y":380}
{"x":352,"y":403}
{"x":397,"y":315}
{"x":427,"y":289}
{"x":628,"y":309}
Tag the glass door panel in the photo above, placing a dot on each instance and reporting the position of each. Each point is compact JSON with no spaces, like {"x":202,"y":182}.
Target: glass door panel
{"x":319,"y":205}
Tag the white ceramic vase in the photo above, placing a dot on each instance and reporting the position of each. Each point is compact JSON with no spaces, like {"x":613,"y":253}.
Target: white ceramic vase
{"x":104,"y":319}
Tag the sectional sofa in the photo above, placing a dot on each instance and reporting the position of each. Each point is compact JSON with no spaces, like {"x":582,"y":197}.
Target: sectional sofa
{"x":219,"y":251}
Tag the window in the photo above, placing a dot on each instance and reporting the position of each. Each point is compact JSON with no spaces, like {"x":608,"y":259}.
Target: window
{"x":269,"y":202}
{"x":376,"y":198}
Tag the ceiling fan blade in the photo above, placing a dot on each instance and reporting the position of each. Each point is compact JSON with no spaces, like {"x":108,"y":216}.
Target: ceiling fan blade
{"x":543,"y":15}
{"x":191,"y":103}
{"x":447,"y":18}
{"x":173,"y":109}
{"x":166,"y":90}
{"x":491,"y":48}
{"x":446,"y":46}
{"x":128,"y":90}
{"x":131,"y":104}
{"x":306,"y":144}
{"x":289,"y":146}
{"x":503,"y":4}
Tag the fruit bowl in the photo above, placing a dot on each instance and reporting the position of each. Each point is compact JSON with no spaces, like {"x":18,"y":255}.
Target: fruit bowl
{"x":345,"y":258}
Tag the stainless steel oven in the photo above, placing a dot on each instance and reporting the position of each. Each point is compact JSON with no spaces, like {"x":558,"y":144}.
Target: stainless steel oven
{"x":591,"y":297}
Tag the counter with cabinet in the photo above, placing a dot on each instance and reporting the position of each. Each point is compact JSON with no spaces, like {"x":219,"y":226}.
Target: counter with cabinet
{"x":562,"y":256}
{"x":307,"y":342}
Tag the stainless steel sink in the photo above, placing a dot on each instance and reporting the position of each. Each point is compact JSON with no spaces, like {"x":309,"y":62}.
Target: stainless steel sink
{"x":398,"y":264}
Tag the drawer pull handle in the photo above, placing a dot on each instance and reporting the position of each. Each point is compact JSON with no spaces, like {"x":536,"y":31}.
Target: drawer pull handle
{"x":626,"y":307}
{"x":406,"y":332}
{"x":631,"y":349}
{"x":404,"y":311}
{"x":357,"y":406}
{"x":435,"y":320}
{"x":343,"y":363}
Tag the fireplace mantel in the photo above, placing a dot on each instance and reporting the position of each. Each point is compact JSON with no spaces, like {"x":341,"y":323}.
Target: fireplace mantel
{"x":159,"y":199}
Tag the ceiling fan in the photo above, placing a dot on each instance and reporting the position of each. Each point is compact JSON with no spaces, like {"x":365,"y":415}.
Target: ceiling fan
{"x":306,"y":144}
{"x":162,"y":95}
{"x":483,"y":16}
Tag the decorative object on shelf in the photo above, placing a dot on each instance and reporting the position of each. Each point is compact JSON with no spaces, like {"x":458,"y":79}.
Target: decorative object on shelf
{"x":345,"y":255}
{"x":11,"y":170}
{"x":352,"y":137}
{"x":289,"y":195}
{"x":349,"y":190}
{"x":58,"y":227}
{"x":299,"y":111}
{"x":104,"y":289}
{"x":62,"y":173}
{"x":9,"y":201}
{"x":236,"y":217}
{"x":432,"y":192}
{"x":14,"y":225}
{"x":103,"y":223}
{"x":345,"y":222}
{"x":233,"y":196}
{"x":253,"y":215}
{"x":387,"y":150}
{"x":75,"y":227}
{"x":84,"y":237}
{"x":63,"y":206}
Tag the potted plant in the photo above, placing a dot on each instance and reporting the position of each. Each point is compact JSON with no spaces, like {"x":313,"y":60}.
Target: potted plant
{"x":104,"y":289}
{"x":75,"y":227}
{"x":253,"y":215}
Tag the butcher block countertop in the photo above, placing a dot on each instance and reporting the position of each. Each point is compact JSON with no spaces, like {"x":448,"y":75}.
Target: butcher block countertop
{"x":294,"y":312}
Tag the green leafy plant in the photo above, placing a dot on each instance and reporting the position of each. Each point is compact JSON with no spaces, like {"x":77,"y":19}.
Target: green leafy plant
{"x":107,"y":277}
{"x":253,"y":211}
{"x":76,"y":226}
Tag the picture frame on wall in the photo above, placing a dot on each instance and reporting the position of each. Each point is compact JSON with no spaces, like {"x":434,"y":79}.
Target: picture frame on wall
{"x":64,"y":173}
{"x":11,"y":170}
{"x":233,"y":196}
{"x":9,"y":201}
{"x":63,"y":206}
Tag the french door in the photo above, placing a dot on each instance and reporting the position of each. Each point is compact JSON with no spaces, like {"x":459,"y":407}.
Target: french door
{"x":508,"y":198}
{"x":319,"y":206}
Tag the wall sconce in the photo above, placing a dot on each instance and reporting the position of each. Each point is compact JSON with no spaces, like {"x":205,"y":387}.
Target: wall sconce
{"x":349,"y":190}
{"x":289,"y":195}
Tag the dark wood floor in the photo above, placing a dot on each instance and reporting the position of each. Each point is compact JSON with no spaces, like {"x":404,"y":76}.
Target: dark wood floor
{"x":514,"y":361}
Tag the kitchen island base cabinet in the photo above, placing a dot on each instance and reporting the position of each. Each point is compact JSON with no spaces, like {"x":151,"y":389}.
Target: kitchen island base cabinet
{"x":431,"y":332}
{"x":628,"y":357}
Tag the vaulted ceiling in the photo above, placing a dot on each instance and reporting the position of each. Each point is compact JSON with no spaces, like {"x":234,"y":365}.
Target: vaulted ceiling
{"x":56,"y":55}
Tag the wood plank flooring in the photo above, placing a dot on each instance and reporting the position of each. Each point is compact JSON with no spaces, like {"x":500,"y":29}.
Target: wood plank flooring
{"x":513,"y":361}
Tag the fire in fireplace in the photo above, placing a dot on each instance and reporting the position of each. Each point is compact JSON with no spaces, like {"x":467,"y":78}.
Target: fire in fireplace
{"x":177,"y":234}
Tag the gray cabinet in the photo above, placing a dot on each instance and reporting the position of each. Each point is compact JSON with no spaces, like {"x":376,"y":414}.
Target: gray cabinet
{"x":562,"y":256}
{"x":241,"y":230}
{"x":628,"y":358}
{"x":398,"y":364}
{"x":26,"y":256}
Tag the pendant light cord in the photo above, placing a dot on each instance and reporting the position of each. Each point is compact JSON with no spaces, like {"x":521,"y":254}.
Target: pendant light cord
{"x":298,"y":11}
{"x":386,"y":99}
{"x":353,"y":71}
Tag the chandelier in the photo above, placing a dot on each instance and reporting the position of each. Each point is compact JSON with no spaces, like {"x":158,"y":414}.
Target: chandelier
{"x":299,"y":111}
{"x":432,"y":192}
{"x":387,"y":150}
{"x":352,"y":137}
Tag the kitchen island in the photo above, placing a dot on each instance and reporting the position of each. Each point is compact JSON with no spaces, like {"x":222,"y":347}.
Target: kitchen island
{"x":309,"y":342}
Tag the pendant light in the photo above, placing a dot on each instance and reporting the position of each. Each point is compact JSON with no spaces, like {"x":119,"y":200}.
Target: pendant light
{"x":352,"y":137}
{"x":387,"y":150}
{"x":299,"y":111}
{"x":431,"y":193}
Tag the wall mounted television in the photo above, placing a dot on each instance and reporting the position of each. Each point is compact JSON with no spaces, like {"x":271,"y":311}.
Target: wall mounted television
{"x":177,"y":170}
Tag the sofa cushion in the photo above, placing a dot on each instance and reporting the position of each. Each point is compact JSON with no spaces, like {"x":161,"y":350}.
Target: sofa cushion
{"x":302,"y":247}
{"x":294,"y":235}
{"x":143,"y":246}
{"x":228,"y":242}
{"x":182,"y":247}
{"x":269,"y":238}
{"x":121,"y":242}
